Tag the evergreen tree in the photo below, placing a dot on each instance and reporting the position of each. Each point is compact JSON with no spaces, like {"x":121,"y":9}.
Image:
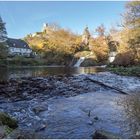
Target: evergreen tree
{"x":3,"y":39}
{"x":3,"y":33}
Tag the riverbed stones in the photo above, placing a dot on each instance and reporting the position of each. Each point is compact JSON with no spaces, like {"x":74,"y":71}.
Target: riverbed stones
{"x":33,"y":87}
{"x":64,"y":118}
{"x":25,"y":93}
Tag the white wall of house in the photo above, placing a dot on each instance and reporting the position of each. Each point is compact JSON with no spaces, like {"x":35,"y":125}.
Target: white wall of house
{"x":20,"y":51}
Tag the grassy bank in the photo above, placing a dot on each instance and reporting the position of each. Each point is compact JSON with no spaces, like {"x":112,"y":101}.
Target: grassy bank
{"x":127,"y":71}
{"x":22,"y":61}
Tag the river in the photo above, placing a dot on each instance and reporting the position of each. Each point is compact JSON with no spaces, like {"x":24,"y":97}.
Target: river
{"x":7,"y":73}
{"x":60,"y":102}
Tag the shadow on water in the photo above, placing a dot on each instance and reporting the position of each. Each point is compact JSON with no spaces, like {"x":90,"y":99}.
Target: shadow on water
{"x":19,"y":72}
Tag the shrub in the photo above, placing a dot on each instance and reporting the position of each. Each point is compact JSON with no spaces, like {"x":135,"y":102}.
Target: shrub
{"x":3,"y":51}
{"x":124,"y":59}
{"x":3,"y":62}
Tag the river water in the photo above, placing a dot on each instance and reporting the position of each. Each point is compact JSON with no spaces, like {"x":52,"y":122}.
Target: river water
{"x":59,"y":106}
{"x":7,"y":73}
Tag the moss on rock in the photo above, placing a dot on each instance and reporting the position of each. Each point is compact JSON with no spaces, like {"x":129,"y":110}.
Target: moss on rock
{"x":5,"y":119}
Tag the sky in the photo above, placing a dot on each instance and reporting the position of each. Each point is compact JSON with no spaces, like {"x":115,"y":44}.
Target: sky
{"x":24,"y":17}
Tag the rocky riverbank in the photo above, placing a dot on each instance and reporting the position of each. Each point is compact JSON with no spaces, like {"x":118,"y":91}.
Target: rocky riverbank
{"x":70,"y":106}
{"x":45,"y":87}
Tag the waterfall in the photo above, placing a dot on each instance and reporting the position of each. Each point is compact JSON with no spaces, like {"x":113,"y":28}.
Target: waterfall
{"x":111,"y":59}
{"x":112,"y":56}
{"x":80,"y":60}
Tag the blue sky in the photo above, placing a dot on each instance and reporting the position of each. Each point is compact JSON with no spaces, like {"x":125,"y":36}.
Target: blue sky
{"x":27,"y":17}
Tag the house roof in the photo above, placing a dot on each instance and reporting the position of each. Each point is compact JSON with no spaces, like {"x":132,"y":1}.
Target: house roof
{"x":17,"y":43}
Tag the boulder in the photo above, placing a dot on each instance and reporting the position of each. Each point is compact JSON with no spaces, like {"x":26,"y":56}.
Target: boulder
{"x":101,"y":134}
{"x":40,"y":108}
{"x":23,"y":134}
{"x":5,"y":119}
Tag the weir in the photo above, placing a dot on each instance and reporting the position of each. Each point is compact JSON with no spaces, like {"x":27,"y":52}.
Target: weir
{"x":79,"y":62}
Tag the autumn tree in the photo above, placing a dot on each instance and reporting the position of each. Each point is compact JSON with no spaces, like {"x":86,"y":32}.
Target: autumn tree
{"x":100,"y":30}
{"x":132,"y":25}
{"x":57,"y":46}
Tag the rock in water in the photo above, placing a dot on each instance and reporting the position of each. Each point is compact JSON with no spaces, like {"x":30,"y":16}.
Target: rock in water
{"x":5,"y":119}
{"x":23,"y":134}
{"x":101,"y":134}
{"x":96,"y":118}
{"x":41,"y":127}
{"x":40,"y":108}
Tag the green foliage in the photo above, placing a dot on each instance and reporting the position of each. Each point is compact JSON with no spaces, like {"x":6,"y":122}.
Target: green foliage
{"x":22,"y":61}
{"x":3,"y":33}
{"x":8,"y":130}
{"x":3,"y":51}
{"x":128,"y":71}
{"x":3,"y":63}
{"x":3,"y":37}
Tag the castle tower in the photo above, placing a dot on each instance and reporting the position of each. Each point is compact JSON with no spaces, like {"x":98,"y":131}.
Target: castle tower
{"x":45,"y":27}
{"x":86,"y":36}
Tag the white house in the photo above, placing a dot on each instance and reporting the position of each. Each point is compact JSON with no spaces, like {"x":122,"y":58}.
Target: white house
{"x":19,"y":47}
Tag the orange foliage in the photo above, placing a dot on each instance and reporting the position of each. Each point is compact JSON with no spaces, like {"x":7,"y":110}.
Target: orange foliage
{"x":100,"y":49}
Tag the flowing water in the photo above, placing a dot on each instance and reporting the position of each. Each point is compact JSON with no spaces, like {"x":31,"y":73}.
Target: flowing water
{"x":61,"y":117}
{"x":79,"y":62}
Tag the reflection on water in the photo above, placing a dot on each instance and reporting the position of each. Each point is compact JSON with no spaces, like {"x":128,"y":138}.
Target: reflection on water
{"x":43,"y":71}
{"x":131,"y":106}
